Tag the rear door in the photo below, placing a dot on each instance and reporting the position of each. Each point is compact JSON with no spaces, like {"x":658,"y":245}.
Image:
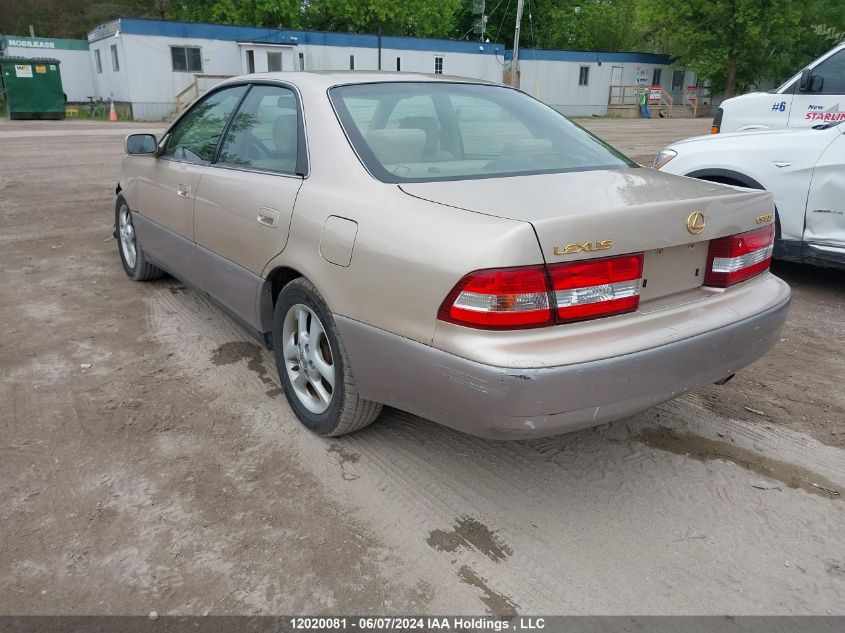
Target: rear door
{"x":824,"y":227}
{"x":166,"y":186}
{"x":245,"y":202}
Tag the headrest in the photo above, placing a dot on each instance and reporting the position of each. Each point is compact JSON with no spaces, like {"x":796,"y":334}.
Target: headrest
{"x":396,"y":146}
{"x":427,"y":124}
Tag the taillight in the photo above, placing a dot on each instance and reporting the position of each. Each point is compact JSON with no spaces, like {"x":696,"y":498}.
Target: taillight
{"x":596,"y":287}
{"x":535,"y":296}
{"x":499,"y":299}
{"x":738,"y":257}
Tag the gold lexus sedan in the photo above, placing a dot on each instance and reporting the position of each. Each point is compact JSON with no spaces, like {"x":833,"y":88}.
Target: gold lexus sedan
{"x":451,"y":248}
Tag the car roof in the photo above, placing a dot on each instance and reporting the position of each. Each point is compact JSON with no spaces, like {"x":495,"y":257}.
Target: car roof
{"x":329,"y":78}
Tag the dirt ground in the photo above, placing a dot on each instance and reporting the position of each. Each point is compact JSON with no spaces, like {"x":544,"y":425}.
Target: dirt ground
{"x":149,"y":462}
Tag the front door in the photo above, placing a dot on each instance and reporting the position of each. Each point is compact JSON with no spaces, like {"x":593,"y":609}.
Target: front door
{"x":824,"y":223}
{"x":244,"y":205}
{"x":825,"y":99}
{"x":167,"y":185}
{"x":616,"y":95}
{"x":616,"y":75}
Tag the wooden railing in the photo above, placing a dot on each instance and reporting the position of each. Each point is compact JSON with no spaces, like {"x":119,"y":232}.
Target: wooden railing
{"x":696,"y":97}
{"x":198,"y":87}
{"x":624,"y":94}
{"x":629,"y":95}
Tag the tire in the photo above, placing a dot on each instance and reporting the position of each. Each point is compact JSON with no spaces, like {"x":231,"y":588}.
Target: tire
{"x":131,"y":254}
{"x":314,"y":367}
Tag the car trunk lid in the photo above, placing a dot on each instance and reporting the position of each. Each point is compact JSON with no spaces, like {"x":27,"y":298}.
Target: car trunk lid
{"x":579,"y":215}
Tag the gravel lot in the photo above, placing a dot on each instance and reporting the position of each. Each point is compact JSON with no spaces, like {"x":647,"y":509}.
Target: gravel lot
{"x":149,"y":461}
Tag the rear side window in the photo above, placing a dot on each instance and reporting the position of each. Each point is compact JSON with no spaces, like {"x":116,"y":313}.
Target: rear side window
{"x":432,"y":131}
{"x":194,"y":138}
{"x":264,"y":134}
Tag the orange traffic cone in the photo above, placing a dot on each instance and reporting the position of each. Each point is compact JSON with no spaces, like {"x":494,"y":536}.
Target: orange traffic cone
{"x":112,"y":112}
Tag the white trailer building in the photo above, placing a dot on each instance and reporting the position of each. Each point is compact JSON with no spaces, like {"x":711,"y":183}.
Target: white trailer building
{"x":159,"y":66}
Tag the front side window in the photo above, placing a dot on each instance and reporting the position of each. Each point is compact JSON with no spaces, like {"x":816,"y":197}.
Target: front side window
{"x":584,"y":76}
{"x":264,"y":134}
{"x":186,"y":59}
{"x":829,"y":76}
{"x":99,"y":62}
{"x":115,"y":63}
{"x":434,"y":131}
{"x":194,"y":138}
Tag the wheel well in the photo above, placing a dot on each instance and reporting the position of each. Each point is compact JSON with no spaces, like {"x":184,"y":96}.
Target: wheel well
{"x":726,"y":177}
{"x":279,"y":278}
{"x":723,"y":180}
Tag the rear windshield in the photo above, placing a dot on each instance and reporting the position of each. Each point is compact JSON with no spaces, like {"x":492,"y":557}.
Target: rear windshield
{"x":431,"y":131}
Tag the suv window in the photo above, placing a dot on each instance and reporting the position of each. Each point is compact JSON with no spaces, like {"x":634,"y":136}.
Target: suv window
{"x":194,"y":139}
{"x":832,"y":73}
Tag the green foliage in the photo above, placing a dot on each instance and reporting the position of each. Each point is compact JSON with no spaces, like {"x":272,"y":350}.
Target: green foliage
{"x":269,"y":13}
{"x":420,"y":18}
{"x":738,"y":43}
{"x":69,"y":18}
{"x":591,"y":25}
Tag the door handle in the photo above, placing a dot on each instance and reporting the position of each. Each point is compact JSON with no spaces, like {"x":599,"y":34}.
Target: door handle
{"x":183,"y":191}
{"x":268,"y":217}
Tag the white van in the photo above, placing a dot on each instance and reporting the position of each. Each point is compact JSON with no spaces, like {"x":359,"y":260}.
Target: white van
{"x":813,"y":96}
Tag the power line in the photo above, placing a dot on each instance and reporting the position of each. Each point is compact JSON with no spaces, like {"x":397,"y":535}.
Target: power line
{"x":504,"y":15}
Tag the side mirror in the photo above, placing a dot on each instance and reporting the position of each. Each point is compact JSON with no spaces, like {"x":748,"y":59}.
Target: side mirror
{"x":809,"y":82}
{"x":141,"y":145}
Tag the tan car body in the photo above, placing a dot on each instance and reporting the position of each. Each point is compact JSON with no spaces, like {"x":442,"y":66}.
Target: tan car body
{"x":384,"y":257}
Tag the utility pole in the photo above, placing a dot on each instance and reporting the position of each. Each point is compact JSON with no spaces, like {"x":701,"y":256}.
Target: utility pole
{"x":515,"y":61}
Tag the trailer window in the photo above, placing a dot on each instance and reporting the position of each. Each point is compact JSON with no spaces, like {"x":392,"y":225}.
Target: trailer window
{"x":186,"y":59}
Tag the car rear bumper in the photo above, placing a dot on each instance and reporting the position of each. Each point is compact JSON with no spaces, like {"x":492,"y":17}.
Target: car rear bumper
{"x":513,"y":403}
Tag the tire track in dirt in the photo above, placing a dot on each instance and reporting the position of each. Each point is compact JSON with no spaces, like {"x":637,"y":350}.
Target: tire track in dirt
{"x":575,"y":511}
{"x":173,"y":314}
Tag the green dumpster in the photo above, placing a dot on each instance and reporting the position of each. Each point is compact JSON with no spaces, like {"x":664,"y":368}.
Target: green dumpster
{"x":32,"y":88}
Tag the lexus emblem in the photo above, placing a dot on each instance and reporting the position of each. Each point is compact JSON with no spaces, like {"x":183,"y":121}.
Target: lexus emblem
{"x":696,"y":222}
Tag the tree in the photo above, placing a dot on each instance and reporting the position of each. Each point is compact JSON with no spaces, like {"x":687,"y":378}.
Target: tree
{"x":69,"y":18}
{"x":419,"y":18}
{"x":590,"y":25}
{"x":736,"y":43}
{"x":266,"y":13}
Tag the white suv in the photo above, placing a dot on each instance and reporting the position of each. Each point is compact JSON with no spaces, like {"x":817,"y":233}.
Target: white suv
{"x":813,"y":96}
